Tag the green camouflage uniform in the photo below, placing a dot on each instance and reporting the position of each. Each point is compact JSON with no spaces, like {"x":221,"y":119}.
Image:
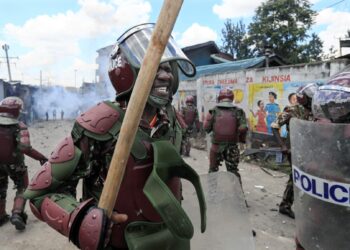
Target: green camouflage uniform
{"x":227,"y":151}
{"x":289,"y":112}
{"x":90,"y":161}
{"x":190,"y":115}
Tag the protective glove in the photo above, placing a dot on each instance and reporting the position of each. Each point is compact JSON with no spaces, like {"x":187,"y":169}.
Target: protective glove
{"x":96,"y":228}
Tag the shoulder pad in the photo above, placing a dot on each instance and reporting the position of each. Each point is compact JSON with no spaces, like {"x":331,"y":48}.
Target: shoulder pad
{"x":42,"y":179}
{"x":22,"y":125}
{"x":64,"y":151}
{"x":24,"y":137}
{"x":61,"y":165}
{"x":99,"y":119}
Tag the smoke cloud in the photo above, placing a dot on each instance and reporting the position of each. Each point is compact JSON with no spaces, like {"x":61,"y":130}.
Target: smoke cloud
{"x":60,"y":99}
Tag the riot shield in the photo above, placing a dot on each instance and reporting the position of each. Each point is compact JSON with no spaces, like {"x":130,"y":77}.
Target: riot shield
{"x":321,"y":175}
{"x":228,"y":225}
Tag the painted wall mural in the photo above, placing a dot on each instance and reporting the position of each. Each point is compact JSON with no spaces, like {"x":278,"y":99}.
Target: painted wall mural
{"x":267,"y":100}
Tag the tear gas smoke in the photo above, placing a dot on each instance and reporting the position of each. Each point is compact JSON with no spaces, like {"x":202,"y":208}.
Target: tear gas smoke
{"x":60,"y":99}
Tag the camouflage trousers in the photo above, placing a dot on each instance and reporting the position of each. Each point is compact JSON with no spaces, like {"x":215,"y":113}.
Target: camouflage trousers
{"x":186,"y":146}
{"x":228,"y":153}
{"x":186,"y":143}
{"x":19,"y":176}
{"x":288,"y":194}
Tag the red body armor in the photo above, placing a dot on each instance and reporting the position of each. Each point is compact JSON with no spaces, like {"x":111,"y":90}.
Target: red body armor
{"x":8,"y":144}
{"x":132,"y":201}
{"x":189,"y":115}
{"x":225,"y":126}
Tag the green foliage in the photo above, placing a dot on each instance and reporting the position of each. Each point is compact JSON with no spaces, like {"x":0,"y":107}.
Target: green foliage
{"x":280,"y":24}
{"x":312,"y":51}
{"x":234,"y":40}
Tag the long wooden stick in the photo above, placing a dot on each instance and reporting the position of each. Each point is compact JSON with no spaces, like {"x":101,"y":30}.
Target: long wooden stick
{"x":136,"y":106}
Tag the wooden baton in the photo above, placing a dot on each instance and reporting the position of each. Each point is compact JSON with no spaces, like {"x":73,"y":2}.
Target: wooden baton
{"x":137,"y":102}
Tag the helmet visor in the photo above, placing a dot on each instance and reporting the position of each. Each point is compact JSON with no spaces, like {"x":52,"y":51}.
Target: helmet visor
{"x":134,"y":42}
{"x":332,"y":102}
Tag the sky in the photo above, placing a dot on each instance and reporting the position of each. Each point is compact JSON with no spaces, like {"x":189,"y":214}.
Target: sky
{"x":59,"y":38}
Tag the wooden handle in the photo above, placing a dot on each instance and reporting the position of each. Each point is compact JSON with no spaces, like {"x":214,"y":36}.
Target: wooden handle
{"x":137,"y":102}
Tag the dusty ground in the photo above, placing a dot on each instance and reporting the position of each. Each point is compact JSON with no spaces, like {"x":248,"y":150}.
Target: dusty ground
{"x":263,"y":193}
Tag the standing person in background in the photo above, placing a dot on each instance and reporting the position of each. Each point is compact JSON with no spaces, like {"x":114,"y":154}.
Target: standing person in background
{"x":54,"y":114}
{"x":272,"y":110}
{"x":301,"y":111}
{"x":14,"y":142}
{"x":47,"y":115}
{"x":292,"y":99}
{"x":62,"y":114}
{"x":190,"y":114}
{"x":228,"y":126}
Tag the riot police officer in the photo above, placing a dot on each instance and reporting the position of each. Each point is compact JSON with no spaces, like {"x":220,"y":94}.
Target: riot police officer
{"x":228,"y":126}
{"x":15,"y":142}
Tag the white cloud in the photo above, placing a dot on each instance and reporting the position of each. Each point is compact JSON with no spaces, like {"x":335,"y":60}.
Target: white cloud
{"x":236,"y":8}
{"x":55,"y":41}
{"x":336,"y":25}
{"x":197,"y":34}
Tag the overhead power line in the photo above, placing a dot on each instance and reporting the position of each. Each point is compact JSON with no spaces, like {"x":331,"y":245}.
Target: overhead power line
{"x":332,"y":5}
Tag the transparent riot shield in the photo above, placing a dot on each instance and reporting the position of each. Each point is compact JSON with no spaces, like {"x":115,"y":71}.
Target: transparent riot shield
{"x":321,"y":175}
{"x":228,"y":225}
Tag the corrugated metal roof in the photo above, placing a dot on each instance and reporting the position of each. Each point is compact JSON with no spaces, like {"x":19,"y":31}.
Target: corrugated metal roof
{"x":225,"y":67}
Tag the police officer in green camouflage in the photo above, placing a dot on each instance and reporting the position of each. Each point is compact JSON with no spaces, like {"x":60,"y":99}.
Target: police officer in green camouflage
{"x":147,"y":214}
{"x":302,"y":110}
{"x":190,"y":115}
{"x":228,"y":126}
{"x":14,"y":144}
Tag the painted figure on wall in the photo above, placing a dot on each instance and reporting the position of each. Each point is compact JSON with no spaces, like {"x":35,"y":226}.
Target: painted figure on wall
{"x":261,"y":114}
{"x":272,"y":110}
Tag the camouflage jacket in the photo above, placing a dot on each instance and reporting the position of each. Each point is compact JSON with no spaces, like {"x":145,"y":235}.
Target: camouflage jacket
{"x":297,"y":111}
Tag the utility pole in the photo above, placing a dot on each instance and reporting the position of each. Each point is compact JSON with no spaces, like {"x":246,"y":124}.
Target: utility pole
{"x":41,"y":79}
{"x":75,"y":78}
{"x":6,"y":48}
{"x":267,"y":52}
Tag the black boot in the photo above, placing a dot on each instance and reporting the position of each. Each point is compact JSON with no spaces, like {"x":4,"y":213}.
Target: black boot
{"x":286,"y":210}
{"x":19,"y":217}
{"x":4,"y":217}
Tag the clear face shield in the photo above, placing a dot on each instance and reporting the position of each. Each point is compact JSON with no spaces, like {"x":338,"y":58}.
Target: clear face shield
{"x":134,"y":42}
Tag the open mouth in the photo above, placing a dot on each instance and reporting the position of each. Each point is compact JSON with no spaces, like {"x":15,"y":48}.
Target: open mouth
{"x":161,"y":91}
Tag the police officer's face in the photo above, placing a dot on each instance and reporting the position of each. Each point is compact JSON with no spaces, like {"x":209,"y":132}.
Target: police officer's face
{"x":162,"y":82}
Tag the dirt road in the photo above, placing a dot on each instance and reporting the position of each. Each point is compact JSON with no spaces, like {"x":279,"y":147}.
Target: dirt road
{"x":263,"y":193}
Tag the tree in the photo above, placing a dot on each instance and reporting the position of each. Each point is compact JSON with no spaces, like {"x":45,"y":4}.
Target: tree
{"x":312,"y":51}
{"x":331,"y":53}
{"x":234,"y":40}
{"x":283,"y":25}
